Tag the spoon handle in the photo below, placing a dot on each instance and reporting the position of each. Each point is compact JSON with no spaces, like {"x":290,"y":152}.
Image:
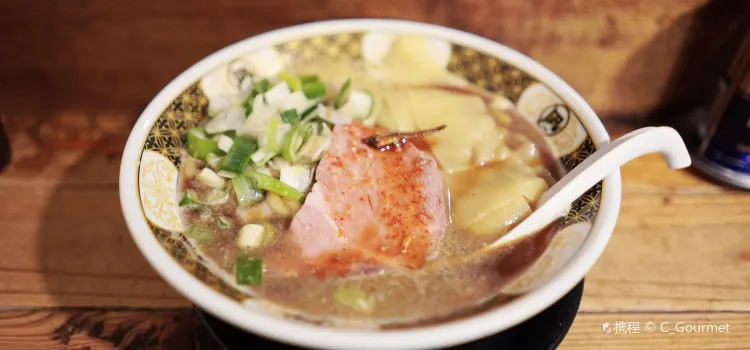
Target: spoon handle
{"x":555,"y":201}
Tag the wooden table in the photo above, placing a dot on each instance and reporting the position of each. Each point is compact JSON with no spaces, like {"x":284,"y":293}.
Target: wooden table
{"x":680,"y":252}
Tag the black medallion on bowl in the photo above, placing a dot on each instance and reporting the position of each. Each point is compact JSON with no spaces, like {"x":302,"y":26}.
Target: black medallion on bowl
{"x":554,"y":119}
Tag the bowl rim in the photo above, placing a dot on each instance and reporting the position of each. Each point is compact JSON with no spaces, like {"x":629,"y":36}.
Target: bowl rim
{"x":291,"y":332}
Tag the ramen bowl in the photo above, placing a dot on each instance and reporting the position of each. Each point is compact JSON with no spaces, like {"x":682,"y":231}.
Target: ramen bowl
{"x":151,"y":161}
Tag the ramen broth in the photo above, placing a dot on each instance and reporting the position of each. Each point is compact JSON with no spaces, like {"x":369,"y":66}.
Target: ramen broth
{"x":518,"y":166}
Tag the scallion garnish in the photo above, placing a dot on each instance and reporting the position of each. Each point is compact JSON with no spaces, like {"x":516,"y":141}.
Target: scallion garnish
{"x":372,"y":104}
{"x":294,"y":139}
{"x":272,"y":143}
{"x":355,"y":298}
{"x":309,"y":78}
{"x":248,"y":271}
{"x":294,"y":82}
{"x":223,"y":223}
{"x":199,"y":145}
{"x":313,"y":149}
{"x":246,"y":191}
{"x":187,"y":199}
{"x":199,"y":234}
{"x":314,"y":89}
{"x":290,"y":116}
{"x":327,"y":122}
{"x":271,"y":184}
{"x":339,"y":100}
{"x":261,"y":86}
{"x":239,"y":155}
{"x":309,"y":111}
{"x":248,"y":105}
{"x":262,"y":156}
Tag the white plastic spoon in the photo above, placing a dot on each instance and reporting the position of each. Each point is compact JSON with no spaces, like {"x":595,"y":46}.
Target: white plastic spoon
{"x":555,"y":201}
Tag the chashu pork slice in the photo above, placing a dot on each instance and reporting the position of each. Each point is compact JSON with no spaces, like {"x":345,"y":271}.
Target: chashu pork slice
{"x":370,"y":210}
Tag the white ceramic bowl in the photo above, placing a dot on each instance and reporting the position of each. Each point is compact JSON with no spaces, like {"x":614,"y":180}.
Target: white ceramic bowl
{"x":148,"y":176}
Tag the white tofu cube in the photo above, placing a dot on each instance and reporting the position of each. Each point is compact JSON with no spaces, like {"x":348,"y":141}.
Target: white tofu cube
{"x":210,"y":178}
{"x":225,"y":143}
{"x":251,"y":236}
{"x":296,"y":176}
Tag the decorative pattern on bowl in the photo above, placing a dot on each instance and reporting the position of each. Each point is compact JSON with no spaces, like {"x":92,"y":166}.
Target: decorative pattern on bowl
{"x":564,"y":132}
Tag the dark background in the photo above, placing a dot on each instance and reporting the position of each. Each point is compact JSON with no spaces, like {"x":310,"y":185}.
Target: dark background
{"x":628,"y":58}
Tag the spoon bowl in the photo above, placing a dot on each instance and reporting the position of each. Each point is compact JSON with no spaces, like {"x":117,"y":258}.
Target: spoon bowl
{"x":555,"y":201}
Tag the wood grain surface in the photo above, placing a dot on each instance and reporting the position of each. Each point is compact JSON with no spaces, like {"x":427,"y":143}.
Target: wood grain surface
{"x":103,"y":329}
{"x":628,"y":58}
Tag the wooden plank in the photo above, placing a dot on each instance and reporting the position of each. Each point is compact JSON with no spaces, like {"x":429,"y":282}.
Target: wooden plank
{"x":680,"y":244}
{"x":181,"y":329}
{"x":65,"y":239}
{"x":103,"y":329}
{"x":627,"y":58}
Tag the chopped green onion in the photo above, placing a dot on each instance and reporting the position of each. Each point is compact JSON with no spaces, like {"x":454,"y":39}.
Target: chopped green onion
{"x":309,"y":78}
{"x":264,"y":171}
{"x":210,"y":178}
{"x":355,"y":298}
{"x":246,"y":191}
{"x":262,"y":156}
{"x":290,"y":116}
{"x":214,"y":161}
{"x":226,"y":174}
{"x":248,"y":271}
{"x":199,"y":145}
{"x":320,"y":119}
{"x":293,"y":82}
{"x":239,"y":155}
{"x":216,"y":196}
{"x":278,"y":94}
{"x":294,"y":140}
{"x":187,"y":199}
{"x":271,"y":184}
{"x":224,"y":142}
{"x":231,"y":119}
{"x":248,"y":104}
{"x":231,"y":134}
{"x":359,"y":105}
{"x":339,"y":100}
{"x":261,"y":86}
{"x":372,"y":104}
{"x":199,"y":234}
{"x":296,"y":176}
{"x":271,"y":137}
{"x":277,"y":163}
{"x":318,"y":127}
{"x":313,"y":149}
{"x":314,"y":89}
{"x":223,"y":223}
{"x":309,"y":111}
